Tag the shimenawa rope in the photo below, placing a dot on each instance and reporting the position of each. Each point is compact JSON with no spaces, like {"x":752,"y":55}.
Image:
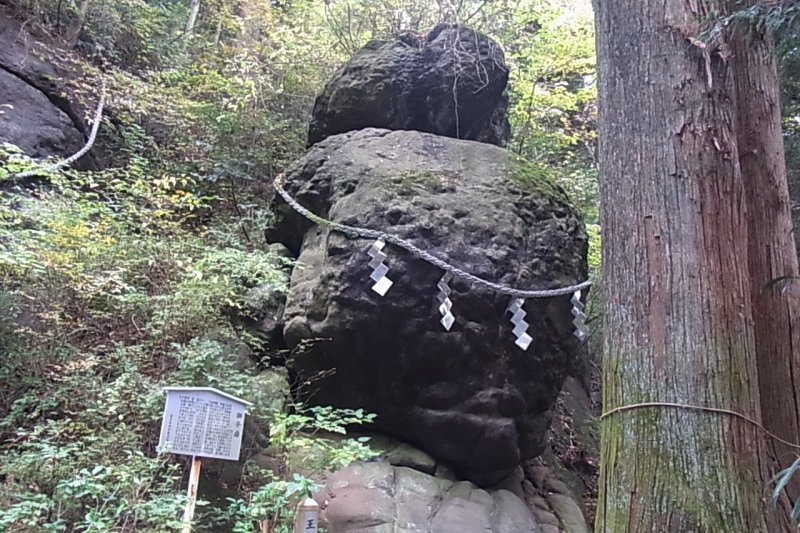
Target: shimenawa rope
{"x":354,"y":231}
{"x":689,"y":407}
{"x":544,"y":293}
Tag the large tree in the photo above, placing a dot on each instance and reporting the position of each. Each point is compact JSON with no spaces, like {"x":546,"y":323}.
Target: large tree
{"x":679,"y":314}
{"x":772,"y":255}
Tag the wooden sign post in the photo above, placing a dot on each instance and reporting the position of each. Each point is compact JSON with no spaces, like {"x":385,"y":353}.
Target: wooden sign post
{"x":191,"y":495}
{"x":307,"y":517}
{"x":201,"y":422}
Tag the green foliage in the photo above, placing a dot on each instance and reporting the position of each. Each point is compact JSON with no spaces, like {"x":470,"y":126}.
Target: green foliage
{"x":595,"y":257}
{"x":297,"y":435}
{"x":553,"y":93}
{"x":65,"y":477}
{"x":272,"y":503}
{"x":112,"y":290}
{"x":125,"y":293}
{"x":297,"y":440}
{"x":781,"y":481}
{"x":209,"y":361}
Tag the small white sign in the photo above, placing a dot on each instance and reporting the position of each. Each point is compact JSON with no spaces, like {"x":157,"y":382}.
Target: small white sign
{"x":309,"y":521}
{"x":203,"y":422}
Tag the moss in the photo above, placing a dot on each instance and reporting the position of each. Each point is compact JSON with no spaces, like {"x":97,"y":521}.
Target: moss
{"x":534,"y":178}
{"x":411,"y":182}
{"x":645,"y":450}
{"x":593,"y":231}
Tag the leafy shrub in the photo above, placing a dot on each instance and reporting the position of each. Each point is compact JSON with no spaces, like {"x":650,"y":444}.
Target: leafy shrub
{"x":111,"y":291}
{"x":298,"y":440}
{"x":782,"y":480}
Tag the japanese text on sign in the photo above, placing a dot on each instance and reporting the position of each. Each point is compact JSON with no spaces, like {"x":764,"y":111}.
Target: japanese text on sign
{"x":310,"y":522}
{"x":202,"y":422}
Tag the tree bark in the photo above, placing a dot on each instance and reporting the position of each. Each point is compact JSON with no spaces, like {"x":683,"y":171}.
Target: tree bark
{"x":772,"y":256}
{"x":194,"y":9}
{"x":679,"y":325}
{"x":218,"y":33}
{"x":83,"y":10}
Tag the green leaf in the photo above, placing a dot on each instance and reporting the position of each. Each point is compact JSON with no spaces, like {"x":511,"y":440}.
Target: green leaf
{"x":783,"y":477}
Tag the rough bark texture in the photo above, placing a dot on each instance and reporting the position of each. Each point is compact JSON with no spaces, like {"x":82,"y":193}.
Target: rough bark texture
{"x":772,"y":257}
{"x":679,"y":322}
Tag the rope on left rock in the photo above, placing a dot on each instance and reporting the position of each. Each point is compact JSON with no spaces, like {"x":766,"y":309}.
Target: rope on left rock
{"x":98,"y":116}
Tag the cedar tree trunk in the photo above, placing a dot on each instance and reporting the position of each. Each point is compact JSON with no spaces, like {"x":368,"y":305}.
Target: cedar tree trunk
{"x":679,"y":325}
{"x":772,"y":257}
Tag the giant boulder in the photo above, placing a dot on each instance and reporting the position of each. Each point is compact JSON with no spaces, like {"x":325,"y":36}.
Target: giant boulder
{"x":451,"y":82}
{"x":468,"y":396}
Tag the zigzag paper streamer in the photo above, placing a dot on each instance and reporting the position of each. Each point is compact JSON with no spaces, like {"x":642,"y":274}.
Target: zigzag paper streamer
{"x":382,"y":283}
{"x":445,"y":304}
{"x":520,"y":326}
{"x":581,"y":331}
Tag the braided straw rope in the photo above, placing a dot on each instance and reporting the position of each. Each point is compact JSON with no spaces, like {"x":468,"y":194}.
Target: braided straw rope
{"x":98,"y":115}
{"x":353,"y":231}
{"x":422,"y":254}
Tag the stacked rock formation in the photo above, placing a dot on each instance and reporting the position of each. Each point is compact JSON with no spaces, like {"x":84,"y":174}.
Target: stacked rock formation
{"x":406,"y":138}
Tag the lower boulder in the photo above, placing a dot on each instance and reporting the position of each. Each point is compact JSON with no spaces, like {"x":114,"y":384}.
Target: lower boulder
{"x":381,"y":498}
{"x":468,"y":396}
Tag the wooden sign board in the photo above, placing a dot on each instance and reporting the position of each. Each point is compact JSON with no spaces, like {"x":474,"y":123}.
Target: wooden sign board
{"x":202,"y":422}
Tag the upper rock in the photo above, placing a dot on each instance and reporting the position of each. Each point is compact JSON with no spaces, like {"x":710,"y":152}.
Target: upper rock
{"x":452,"y":83}
{"x":467,"y":396}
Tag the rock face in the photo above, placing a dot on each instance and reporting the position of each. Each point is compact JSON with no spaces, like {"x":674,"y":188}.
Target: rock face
{"x":34,"y":112}
{"x":381,"y":498}
{"x":451,"y":83}
{"x":32,"y":122}
{"x":263,"y":310}
{"x":469,"y":396}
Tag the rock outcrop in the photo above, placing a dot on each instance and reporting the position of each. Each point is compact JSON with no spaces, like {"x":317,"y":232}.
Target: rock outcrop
{"x":29,"y":120}
{"x":35,"y":114}
{"x":451,"y":82}
{"x":469,"y":396}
